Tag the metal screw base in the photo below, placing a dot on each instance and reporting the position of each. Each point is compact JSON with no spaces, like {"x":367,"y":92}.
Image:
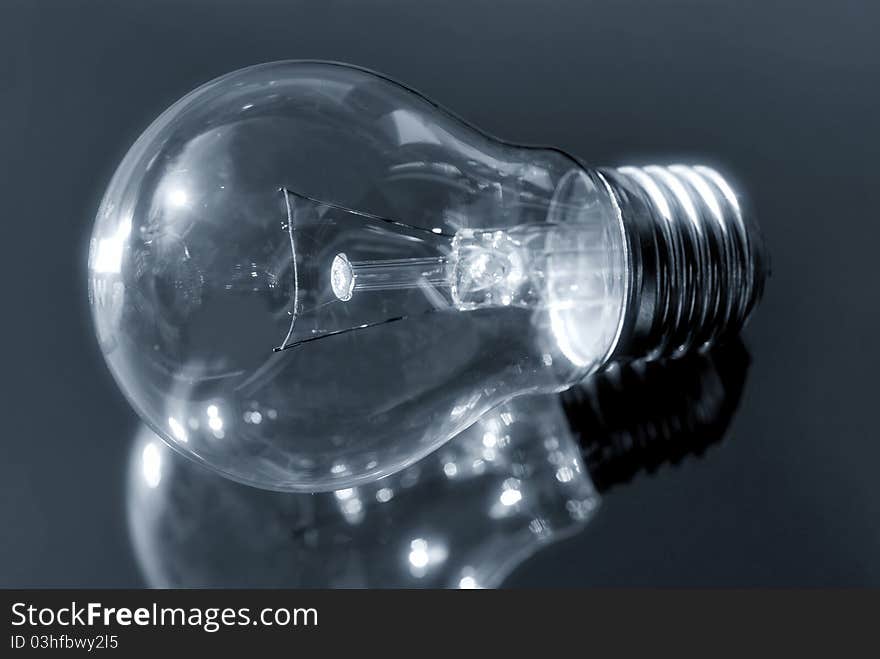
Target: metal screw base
{"x":698,"y":262}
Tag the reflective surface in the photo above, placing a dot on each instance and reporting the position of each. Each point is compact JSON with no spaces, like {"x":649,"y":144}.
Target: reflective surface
{"x":783,"y":94}
{"x":463,"y":517}
{"x":409,"y":272}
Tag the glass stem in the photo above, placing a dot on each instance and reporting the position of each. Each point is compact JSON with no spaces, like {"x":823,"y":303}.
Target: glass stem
{"x":393,"y":274}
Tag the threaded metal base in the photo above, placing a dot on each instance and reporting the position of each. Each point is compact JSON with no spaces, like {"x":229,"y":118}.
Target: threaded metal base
{"x":698,"y":263}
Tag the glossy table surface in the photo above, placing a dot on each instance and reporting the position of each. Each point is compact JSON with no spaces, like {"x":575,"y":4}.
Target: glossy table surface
{"x":784,"y":97}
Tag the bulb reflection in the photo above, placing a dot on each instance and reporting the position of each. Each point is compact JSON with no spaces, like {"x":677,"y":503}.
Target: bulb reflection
{"x":530,"y":473}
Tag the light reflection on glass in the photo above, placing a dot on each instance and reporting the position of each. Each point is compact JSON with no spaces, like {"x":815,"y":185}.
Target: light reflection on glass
{"x":435,"y":524}
{"x":109,"y":251}
{"x":151,"y":464}
{"x":454,"y":519}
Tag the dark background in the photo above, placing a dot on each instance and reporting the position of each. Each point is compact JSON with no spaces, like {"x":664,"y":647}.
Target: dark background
{"x":784,"y":95}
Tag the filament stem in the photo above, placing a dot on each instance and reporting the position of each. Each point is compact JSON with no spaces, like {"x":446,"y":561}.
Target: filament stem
{"x":348,"y":277}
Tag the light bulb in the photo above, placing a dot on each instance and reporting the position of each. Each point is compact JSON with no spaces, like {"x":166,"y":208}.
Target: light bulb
{"x":308,"y":276}
{"x":528,"y":474}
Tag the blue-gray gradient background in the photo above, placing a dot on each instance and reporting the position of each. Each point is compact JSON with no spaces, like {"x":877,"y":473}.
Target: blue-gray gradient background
{"x":783,"y":94}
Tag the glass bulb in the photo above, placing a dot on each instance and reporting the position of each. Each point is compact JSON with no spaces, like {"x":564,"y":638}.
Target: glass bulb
{"x":308,"y":276}
{"x":526,"y":475}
